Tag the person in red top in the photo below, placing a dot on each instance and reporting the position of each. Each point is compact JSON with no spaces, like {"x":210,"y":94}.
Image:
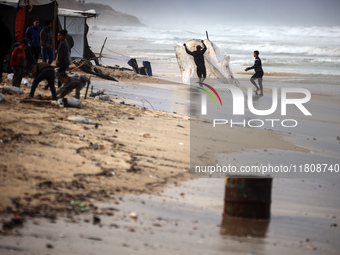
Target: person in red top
{"x":18,"y":62}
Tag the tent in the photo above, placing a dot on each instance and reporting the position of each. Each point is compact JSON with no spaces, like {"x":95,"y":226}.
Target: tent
{"x":75,"y":23}
{"x":216,"y":62}
{"x":19,"y":14}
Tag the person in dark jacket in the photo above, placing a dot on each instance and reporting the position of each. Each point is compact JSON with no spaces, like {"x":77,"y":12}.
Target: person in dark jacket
{"x":199,"y":60}
{"x":43,"y":71}
{"x":63,"y":54}
{"x":46,"y":41}
{"x":258,"y":73}
{"x":5,"y":44}
{"x":33,"y":37}
{"x":70,"y":42}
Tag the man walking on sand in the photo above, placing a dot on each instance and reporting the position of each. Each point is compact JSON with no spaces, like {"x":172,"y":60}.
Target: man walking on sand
{"x":258,"y":73}
{"x":199,"y":60}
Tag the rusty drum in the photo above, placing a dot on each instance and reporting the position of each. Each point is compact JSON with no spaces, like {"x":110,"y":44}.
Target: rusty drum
{"x":248,"y":197}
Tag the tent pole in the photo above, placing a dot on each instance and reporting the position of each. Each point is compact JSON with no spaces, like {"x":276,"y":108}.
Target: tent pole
{"x":100,"y":54}
{"x":54,"y":23}
{"x":206,"y":32}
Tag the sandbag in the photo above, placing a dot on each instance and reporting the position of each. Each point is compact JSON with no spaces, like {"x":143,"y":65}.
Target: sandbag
{"x":70,"y":102}
{"x":2,"y":98}
{"x":15,"y":90}
{"x":142,"y":70}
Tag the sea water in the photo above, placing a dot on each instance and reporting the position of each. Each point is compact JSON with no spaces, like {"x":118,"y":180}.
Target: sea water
{"x":285,"y":51}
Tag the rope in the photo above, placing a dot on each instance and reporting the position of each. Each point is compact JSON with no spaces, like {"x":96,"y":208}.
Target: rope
{"x":117,"y":53}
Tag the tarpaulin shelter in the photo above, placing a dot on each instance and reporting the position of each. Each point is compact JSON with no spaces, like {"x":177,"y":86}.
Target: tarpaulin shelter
{"x":19,"y":14}
{"x":216,"y":62}
{"x":75,"y":23}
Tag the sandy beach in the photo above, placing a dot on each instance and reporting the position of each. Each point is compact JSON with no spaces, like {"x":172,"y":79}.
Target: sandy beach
{"x":126,"y":149}
{"x":125,"y":179}
{"x":72,"y":182}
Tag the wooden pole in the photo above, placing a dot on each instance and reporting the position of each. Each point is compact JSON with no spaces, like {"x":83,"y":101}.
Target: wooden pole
{"x":206,"y":32}
{"x":100,"y":54}
{"x":87,"y":88}
{"x":54,"y":27}
{"x":77,"y":67}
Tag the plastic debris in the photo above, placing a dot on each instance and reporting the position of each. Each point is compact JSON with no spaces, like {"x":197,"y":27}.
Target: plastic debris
{"x":98,"y":93}
{"x":133,"y":215}
{"x":81,"y":205}
{"x":23,"y":80}
{"x":103,"y":97}
{"x":96,"y":220}
{"x":10,"y":76}
{"x":147,"y":135}
{"x":81,"y":119}
{"x":2,"y":98}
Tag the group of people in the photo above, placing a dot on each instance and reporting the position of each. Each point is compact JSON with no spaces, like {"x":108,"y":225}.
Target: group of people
{"x":36,"y":39}
{"x":40,"y":40}
{"x":198,"y":56}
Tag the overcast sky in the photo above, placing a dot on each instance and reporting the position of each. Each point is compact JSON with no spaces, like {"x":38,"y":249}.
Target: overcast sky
{"x":231,"y":12}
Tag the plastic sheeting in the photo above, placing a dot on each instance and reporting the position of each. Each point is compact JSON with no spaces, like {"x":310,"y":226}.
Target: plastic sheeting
{"x":75,"y":26}
{"x":216,"y":62}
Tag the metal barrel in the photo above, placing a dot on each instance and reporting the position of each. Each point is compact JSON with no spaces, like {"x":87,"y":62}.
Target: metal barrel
{"x":243,"y":227}
{"x":248,"y":197}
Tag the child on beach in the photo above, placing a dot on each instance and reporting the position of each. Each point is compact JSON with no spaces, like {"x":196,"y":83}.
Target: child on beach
{"x":75,"y":81}
{"x":18,"y":62}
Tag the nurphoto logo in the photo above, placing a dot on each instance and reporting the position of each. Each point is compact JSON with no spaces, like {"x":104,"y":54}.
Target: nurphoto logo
{"x":238,"y":105}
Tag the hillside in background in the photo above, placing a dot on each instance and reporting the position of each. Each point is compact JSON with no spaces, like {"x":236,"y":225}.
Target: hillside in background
{"x":107,"y":14}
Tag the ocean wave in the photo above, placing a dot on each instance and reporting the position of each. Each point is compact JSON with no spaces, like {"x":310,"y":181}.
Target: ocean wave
{"x":284,"y":49}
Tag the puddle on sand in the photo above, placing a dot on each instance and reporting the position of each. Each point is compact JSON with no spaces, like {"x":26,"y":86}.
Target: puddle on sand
{"x":187,"y":219}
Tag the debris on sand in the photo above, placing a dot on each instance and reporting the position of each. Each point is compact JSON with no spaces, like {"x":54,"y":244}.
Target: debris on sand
{"x":81,"y":119}
{"x":70,"y":102}
{"x":10,"y":90}
{"x":87,"y":67}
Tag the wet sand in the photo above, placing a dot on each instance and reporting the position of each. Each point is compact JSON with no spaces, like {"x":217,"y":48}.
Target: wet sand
{"x":188,"y":218}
